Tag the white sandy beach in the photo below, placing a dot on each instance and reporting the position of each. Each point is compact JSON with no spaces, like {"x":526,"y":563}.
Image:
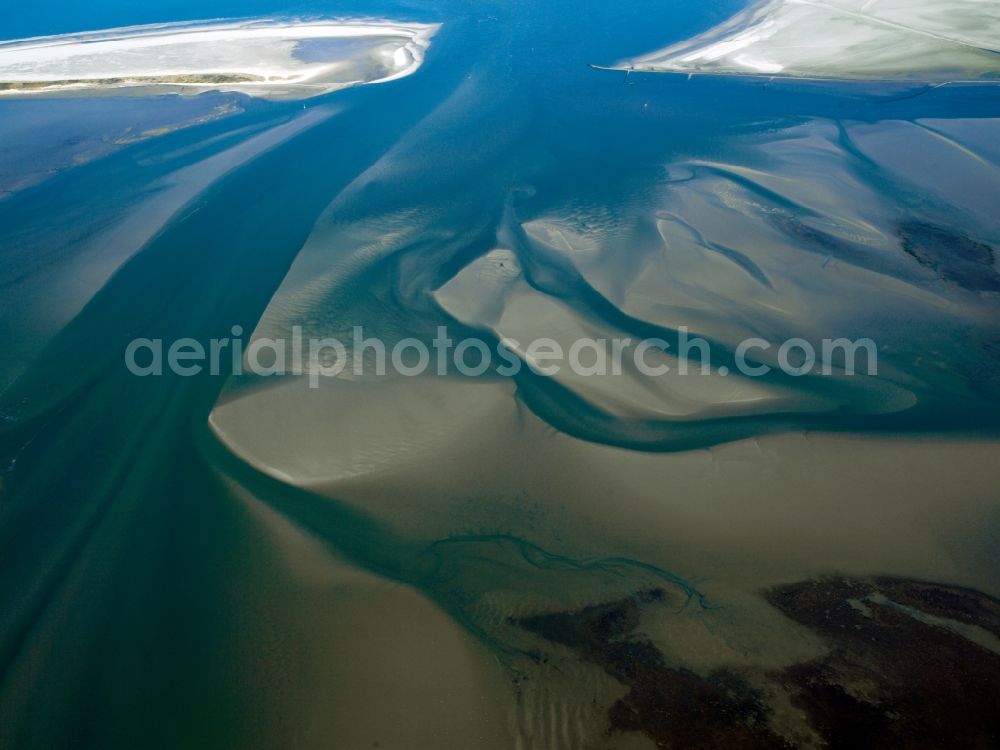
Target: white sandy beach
{"x":260,"y":58}
{"x":940,"y":40}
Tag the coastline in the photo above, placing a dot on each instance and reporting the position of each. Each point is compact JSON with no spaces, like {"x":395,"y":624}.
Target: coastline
{"x":255,"y":57}
{"x":944,"y":43}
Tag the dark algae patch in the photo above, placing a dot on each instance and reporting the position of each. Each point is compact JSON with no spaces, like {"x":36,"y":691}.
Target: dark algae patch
{"x":899,"y":672}
{"x":892,"y":680}
{"x":674,"y":707}
{"x":952,"y":256}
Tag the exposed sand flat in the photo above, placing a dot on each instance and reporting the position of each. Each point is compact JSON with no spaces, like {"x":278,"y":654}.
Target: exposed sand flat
{"x":496,"y":280}
{"x":929,"y":40}
{"x":273,"y":59}
{"x":736,"y":517}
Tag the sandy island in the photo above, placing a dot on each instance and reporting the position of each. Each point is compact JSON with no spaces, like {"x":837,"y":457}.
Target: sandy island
{"x":264,"y":58}
{"x":925,"y":40}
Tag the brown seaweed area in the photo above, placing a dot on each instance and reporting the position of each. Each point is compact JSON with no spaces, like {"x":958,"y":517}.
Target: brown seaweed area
{"x":954,"y":257}
{"x":888,"y":680}
{"x":132,"y":81}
